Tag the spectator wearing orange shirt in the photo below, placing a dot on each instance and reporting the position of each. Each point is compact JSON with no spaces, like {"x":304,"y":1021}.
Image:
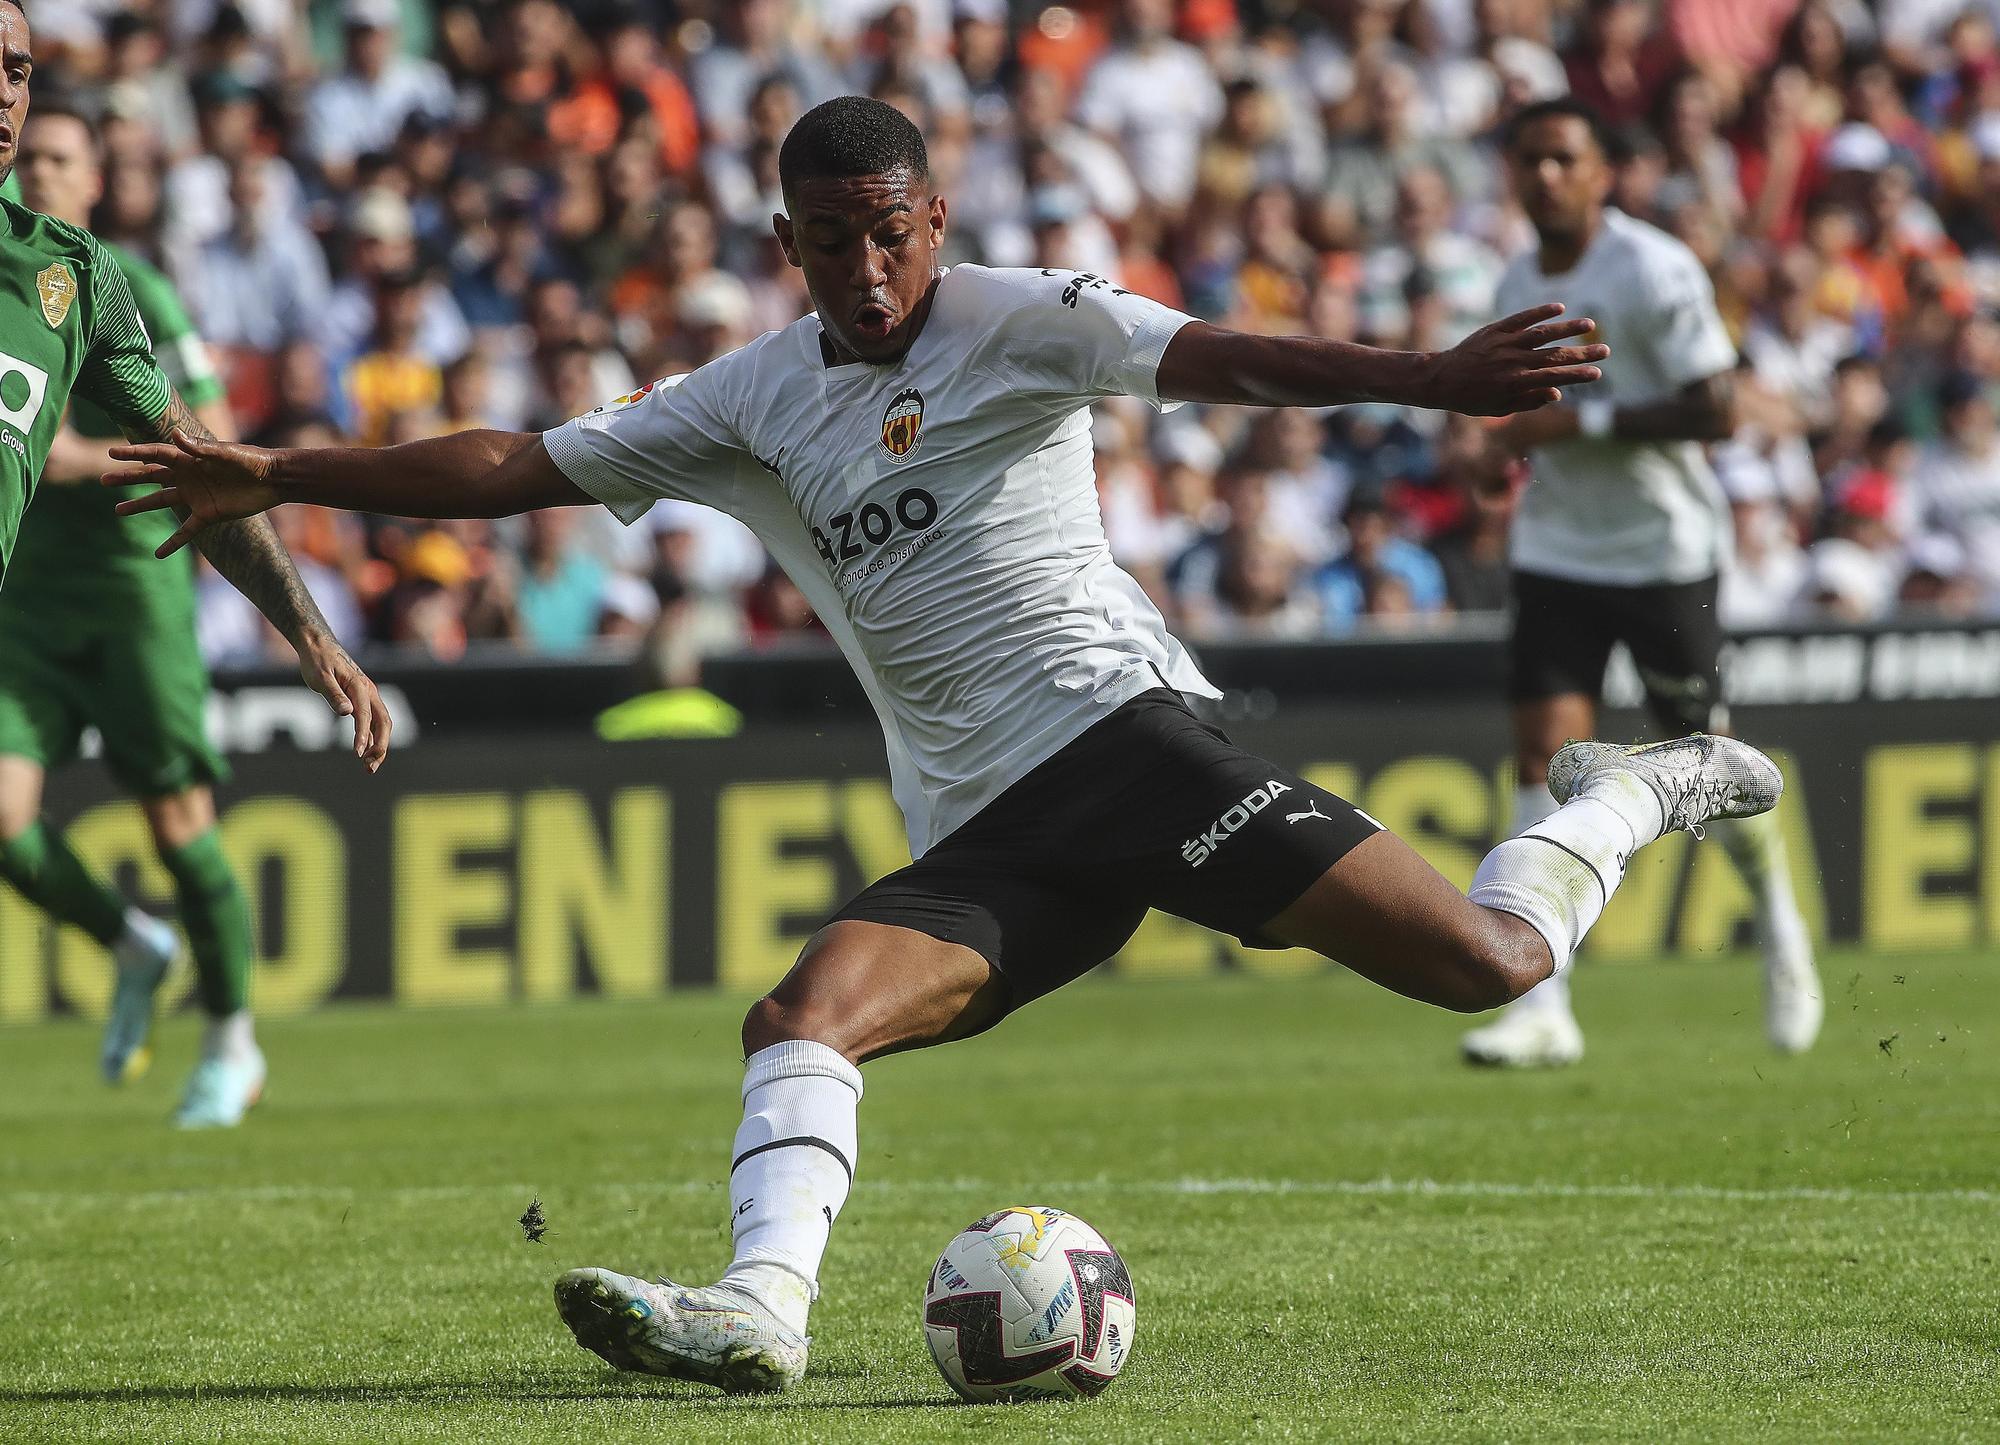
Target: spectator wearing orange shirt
{"x":633,"y":80}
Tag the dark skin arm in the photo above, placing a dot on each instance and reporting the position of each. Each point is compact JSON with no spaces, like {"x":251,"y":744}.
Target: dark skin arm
{"x":1509,"y":366}
{"x":247,"y":552}
{"x":1701,"y":411}
{"x":470,"y":474}
{"x":1513,"y":365}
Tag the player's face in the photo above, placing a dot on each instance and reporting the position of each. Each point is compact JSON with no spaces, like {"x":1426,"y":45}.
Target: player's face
{"x":16,"y":63}
{"x":1561,"y":176}
{"x":868,"y":246}
{"x":58,"y":169}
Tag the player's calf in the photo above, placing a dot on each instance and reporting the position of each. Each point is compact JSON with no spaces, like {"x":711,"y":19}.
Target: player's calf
{"x":860,"y":990}
{"x":1385,"y":913}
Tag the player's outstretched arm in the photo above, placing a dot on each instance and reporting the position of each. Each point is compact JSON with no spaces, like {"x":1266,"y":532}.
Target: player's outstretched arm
{"x":1513,"y":365}
{"x":250,"y":557}
{"x":470,"y":474}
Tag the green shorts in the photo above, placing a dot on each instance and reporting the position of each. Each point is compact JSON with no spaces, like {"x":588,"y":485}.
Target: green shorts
{"x":137,"y":679}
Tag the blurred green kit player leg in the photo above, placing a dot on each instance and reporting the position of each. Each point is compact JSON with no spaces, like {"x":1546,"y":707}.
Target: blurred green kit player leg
{"x":94,"y":631}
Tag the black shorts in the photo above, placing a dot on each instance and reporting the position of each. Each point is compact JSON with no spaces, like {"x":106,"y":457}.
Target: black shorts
{"x":1564,"y":633}
{"x":1151,"y":808}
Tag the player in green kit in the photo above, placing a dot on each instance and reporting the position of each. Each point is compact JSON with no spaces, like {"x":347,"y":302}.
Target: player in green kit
{"x":95,"y":632}
{"x":83,"y":646}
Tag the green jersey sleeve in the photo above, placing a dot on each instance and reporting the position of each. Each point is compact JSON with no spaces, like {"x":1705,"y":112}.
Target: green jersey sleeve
{"x":177,"y":345}
{"x":119,"y":372}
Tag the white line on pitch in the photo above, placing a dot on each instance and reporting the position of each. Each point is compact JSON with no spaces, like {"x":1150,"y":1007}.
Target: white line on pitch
{"x":1188,"y":1186}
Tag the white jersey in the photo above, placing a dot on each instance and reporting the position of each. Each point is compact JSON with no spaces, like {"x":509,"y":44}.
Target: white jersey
{"x":1627,"y":514}
{"x":939,"y":513}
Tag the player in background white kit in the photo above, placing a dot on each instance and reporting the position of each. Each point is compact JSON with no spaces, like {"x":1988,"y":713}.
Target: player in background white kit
{"x":917,"y":455}
{"x":1621,"y":536}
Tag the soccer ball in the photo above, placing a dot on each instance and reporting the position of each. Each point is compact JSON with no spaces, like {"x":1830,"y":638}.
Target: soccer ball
{"x":1029,"y":1303}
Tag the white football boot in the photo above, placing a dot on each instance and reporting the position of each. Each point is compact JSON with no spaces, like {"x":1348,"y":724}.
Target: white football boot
{"x":221,"y":1090}
{"x":142,"y":955}
{"x":1540,"y":1036}
{"x":722,"y":1335}
{"x":1691,"y":781}
{"x":1694,"y":780}
{"x":1794,"y":1002}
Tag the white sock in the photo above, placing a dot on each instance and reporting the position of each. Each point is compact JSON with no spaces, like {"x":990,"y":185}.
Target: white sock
{"x":1533,"y":803}
{"x":144,"y":939}
{"x":792,"y":1166}
{"x":1757,"y":849}
{"x":1560,"y":872}
{"x":230,"y":1037}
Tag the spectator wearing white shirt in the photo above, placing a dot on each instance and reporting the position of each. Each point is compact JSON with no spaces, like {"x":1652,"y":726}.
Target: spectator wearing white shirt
{"x":1365,"y":170}
{"x":1957,"y":480}
{"x":913,"y":58}
{"x":262,"y":283}
{"x":363,"y":108}
{"x":753,"y":47}
{"x":1155,"y":98}
{"x":197,"y":188}
{"x":1793,"y":346}
{"x":1765,"y":576}
{"x":1462,"y":271}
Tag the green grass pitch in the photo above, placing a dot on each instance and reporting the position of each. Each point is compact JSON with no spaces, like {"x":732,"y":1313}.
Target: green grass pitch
{"x":1336,"y":1231}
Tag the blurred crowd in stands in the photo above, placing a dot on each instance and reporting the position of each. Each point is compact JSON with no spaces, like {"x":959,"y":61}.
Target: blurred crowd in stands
{"x":400,"y":218}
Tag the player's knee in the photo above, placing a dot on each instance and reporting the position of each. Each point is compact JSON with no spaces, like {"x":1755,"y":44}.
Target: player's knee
{"x":177,"y":819}
{"x":1497,"y":967}
{"x":775,"y":1021}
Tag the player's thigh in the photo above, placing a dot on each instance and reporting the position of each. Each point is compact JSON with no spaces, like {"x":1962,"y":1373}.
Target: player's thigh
{"x":40,"y":723}
{"x":1385,"y":913}
{"x":1217,"y":834}
{"x":20,"y":794}
{"x":1558,"y":648}
{"x":1675,"y":637}
{"x":149,"y":703}
{"x":1244,"y":846}
{"x":936,"y":952}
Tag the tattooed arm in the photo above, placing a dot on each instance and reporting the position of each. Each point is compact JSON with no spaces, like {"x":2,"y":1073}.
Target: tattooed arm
{"x":120,"y":373}
{"x":249,"y":555}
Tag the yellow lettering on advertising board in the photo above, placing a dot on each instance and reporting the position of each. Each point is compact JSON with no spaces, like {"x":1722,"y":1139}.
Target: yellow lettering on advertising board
{"x":1908,"y":845}
{"x":24,"y":961}
{"x":300,"y":969}
{"x":1439,"y":806}
{"x":763,"y":891}
{"x":872,"y":824}
{"x":439,"y":893}
{"x":1989,"y":856}
{"x":573,"y":889}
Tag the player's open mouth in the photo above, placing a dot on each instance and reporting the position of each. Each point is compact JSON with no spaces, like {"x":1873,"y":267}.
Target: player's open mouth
{"x":875,"y":322}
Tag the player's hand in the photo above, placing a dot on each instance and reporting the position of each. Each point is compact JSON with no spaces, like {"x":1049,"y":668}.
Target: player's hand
{"x":1515,"y":364}
{"x":206,"y":481}
{"x":331,"y":673}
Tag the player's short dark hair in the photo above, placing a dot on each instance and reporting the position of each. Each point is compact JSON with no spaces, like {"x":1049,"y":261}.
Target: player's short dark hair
{"x":851,"y":135}
{"x":1562,"y":107}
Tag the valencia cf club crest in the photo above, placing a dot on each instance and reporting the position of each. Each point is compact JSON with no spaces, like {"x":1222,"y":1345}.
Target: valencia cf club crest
{"x":57,"y":288}
{"x":903,"y":424}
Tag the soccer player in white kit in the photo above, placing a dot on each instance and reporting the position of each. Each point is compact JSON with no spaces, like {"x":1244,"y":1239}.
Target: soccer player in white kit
{"x":1621,"y":536}
{"x":917,"y":455}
